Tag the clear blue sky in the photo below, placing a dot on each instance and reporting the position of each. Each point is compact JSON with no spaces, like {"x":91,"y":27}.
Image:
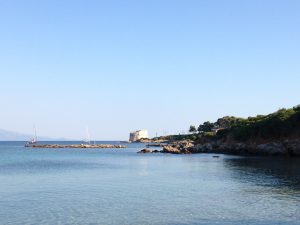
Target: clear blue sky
{"x":117,"y":66}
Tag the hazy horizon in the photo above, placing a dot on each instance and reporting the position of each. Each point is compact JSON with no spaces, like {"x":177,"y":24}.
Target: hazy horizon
{"x":118,"y":66}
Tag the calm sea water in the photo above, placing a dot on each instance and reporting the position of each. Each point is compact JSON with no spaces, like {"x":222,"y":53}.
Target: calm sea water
{"x":118,"y":186}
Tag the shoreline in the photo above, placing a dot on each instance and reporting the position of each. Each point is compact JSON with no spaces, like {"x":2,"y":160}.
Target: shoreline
{"x":286,"y":148}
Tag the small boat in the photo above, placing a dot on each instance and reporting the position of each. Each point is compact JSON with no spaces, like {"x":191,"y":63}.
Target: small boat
{"x":33,"y":140}
{"x":87,"y":139}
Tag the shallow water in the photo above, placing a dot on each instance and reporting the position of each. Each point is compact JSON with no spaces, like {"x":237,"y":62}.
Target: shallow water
{"x":118,"y":186}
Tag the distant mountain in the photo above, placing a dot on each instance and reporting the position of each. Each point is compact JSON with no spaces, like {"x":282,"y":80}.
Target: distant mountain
{"x":6,"y":135}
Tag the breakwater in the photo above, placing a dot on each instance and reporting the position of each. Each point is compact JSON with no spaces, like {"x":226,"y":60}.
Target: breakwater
{"x":75,"y":146}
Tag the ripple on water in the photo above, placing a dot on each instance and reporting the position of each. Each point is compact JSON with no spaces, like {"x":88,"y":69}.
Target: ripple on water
{"x":126,"y":188}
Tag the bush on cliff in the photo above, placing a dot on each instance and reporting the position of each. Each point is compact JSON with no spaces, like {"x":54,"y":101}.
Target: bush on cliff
{"x":180,"y":137}
{"x":285,"y":123}
{"x":282,"y":124}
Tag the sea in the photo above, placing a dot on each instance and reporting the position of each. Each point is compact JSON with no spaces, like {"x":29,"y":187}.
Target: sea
{"x":120,"y":187}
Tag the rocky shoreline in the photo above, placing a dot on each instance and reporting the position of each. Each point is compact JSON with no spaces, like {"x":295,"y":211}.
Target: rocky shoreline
{"x":271,"y":148}
{"x":76,"y":146}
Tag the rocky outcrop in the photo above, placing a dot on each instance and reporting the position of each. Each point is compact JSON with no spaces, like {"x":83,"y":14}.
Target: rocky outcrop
{"x":275,"y":148}
{"x":182,"y":147}
{"x":283,"y":148}
{"x":172,"y":149}
{"x":292,"y":147}
{"x":146,"y":150}
{"x":272,"y":148}
{"x":156,"y":151}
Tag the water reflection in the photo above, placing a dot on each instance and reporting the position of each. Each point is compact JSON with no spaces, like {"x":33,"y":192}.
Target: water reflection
{"x":143,"y":170}
{"x":266,"y":171}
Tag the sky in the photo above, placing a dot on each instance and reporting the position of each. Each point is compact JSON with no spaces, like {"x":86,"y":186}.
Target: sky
{"x":162,"y":65}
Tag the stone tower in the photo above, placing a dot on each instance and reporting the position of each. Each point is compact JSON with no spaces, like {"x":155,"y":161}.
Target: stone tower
{"x":137,"y":135}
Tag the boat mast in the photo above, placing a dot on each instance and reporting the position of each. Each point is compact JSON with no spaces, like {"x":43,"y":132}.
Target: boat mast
{"x":35,"y":137}
{"x":87,"y":135}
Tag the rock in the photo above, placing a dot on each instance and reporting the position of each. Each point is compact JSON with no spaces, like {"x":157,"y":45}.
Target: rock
{"x":155,"y":151}
{"x":171,"y":149}
{"x":293,"y":148}
{"x":276,"y":148}
{"x":272,"y":149}
{"x":208,"y":147}
{"x":185,"y":151}
{"x":202,"y":148}
{"x":145,"y":151}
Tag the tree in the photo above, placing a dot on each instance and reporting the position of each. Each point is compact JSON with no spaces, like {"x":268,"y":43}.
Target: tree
{"x":227,"y":121}
{"x":206,"y":127}
{"x":192,"y":129}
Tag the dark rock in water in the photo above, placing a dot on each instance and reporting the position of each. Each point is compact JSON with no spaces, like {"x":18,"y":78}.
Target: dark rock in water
{"x":293,"y":147}
{"x":145,"y":151}
{"x":216,"y":156}
{"x":155,"y":151}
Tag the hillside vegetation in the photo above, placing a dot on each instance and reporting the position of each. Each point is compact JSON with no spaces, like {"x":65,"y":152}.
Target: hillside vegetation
{"x":283,"y":124}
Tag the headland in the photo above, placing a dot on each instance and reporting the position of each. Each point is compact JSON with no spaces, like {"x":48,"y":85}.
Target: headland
{"x":275,"y":134}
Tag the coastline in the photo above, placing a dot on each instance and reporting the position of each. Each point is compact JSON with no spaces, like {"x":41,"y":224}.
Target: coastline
{"x":286,"y":148}
{"x":275,"y":134}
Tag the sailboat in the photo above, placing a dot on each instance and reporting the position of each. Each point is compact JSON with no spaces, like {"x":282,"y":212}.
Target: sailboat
{"x":87,"y":139}
{"x":34,"y":139}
